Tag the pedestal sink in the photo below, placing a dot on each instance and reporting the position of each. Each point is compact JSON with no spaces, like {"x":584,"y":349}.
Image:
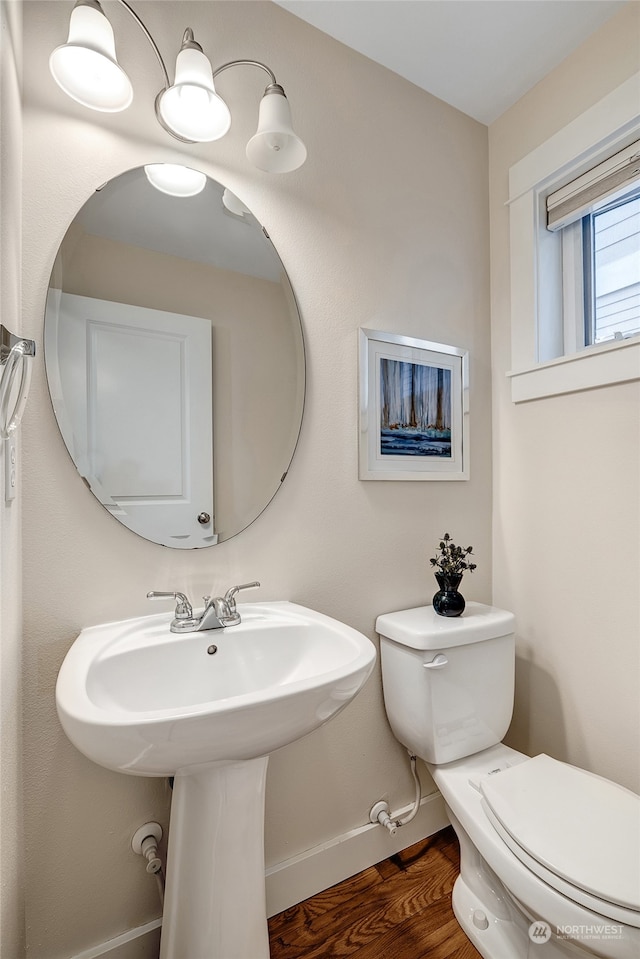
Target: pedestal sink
{"x":208,"y":708}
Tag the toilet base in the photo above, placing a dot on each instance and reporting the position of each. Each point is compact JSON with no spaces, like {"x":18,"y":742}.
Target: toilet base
{"x":492,"y":937}
{"x":525,"y":919}
{"x":500,"y":938}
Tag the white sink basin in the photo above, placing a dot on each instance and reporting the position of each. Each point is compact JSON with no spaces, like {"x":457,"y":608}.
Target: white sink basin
{"x":136,"y":698}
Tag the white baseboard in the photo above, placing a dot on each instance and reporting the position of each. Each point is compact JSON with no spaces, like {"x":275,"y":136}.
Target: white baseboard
{"x":143,"y":942}
{"x":295,"y":879}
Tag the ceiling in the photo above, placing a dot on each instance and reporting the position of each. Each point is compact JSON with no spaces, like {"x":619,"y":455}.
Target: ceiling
{"x":480,"y":56}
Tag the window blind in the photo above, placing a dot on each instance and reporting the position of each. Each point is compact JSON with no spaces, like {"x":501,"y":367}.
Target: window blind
{"x":619,"y":173}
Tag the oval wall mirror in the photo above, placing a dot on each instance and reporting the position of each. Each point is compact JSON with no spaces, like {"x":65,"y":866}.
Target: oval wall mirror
{"x":175,"y":359}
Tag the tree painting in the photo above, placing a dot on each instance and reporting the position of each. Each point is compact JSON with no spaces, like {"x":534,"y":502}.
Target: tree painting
{"x":415,"y":409}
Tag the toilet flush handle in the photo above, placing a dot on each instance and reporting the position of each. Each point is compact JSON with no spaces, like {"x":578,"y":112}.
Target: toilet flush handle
{"x":437,"y":663}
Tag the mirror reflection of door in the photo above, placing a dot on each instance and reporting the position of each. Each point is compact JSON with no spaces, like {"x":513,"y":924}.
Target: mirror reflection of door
{"x":134,"y":388}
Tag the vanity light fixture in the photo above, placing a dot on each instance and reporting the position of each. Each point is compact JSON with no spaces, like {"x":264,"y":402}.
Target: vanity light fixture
{"x":87,"y":69}
{"x":175,"y":179}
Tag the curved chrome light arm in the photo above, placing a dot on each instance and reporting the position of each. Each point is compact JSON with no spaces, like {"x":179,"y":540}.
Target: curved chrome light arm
{"x":188,"y":38}
{"x":165,"y":72}
{"x":243,"y":63}
{"x":150,"y":39}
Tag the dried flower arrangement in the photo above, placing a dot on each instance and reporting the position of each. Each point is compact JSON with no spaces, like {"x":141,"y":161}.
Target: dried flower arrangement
{"x":452,"y":560}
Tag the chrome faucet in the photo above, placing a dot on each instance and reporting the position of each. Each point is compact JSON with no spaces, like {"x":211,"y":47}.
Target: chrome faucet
{"x":218,"y":612}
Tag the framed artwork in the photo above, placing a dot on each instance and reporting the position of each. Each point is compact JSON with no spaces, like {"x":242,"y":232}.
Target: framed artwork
{"x":413,"y":409}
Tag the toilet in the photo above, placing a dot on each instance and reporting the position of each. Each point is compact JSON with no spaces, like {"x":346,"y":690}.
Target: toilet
{"x":549,"y":853}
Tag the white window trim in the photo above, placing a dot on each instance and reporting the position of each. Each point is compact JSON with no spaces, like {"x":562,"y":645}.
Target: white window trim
{"x":573,"y":287}
{"x":610,"y":124}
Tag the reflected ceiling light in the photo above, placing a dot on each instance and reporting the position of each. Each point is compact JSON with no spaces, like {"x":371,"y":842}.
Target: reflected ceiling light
{"x":175,"y":179}
{"x":86,"y":68}
{"x":233,"y":205}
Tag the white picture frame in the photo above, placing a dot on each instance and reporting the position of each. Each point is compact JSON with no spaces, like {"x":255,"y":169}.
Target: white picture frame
{"x":414,"y":405}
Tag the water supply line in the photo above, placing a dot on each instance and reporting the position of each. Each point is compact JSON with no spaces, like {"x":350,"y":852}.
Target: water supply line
{"x":145,"y":843}
{"x":381,"y":813}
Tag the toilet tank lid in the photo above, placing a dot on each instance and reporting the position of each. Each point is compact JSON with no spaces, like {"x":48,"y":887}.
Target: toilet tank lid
{"x":422,"y":628}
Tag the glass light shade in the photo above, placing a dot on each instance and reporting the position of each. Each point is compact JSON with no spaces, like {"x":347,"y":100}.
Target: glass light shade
{"x":86,"y":68}
{"x":175,"y":179}
{"x":191,"y":108}
{"x":275,"y":148}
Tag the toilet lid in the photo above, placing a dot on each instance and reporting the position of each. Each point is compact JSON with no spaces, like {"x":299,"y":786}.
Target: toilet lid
{"x":580,"y":827}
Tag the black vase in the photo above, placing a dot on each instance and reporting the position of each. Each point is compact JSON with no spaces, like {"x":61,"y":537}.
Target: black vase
{"x":448,"y":601}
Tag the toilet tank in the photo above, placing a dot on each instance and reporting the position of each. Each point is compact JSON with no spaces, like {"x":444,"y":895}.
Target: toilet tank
{"x":448,"y":682}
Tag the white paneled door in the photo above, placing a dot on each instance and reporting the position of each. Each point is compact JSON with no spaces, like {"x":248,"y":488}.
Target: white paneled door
{"x":134,"y":387}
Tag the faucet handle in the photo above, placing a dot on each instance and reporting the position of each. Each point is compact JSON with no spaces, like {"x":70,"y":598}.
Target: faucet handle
{"x":183,"y":606}
{"x":229,"y":596}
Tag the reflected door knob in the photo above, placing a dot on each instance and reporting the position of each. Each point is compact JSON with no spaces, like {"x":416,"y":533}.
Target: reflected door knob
{"x":204,"y":518}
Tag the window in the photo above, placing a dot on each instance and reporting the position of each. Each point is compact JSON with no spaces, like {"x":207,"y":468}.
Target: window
{"x":574,"y":210}
{"x":598,"y":218}
{"x":611,"y":261}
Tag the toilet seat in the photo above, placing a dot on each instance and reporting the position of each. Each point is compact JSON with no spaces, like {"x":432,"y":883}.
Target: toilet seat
{"x":576,"y":831}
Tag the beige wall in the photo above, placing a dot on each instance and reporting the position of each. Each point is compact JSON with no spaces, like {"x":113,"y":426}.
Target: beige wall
{"x":11,"y":872}
{"x":385,"y":227}
{"x":367,"y":241}
{"x":566,"y":494}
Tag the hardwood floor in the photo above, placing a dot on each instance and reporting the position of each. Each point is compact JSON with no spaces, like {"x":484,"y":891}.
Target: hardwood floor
{"x":398,"y":909}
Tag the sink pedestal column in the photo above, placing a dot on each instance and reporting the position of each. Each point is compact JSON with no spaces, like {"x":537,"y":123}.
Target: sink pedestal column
{"x":215,"y":905}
